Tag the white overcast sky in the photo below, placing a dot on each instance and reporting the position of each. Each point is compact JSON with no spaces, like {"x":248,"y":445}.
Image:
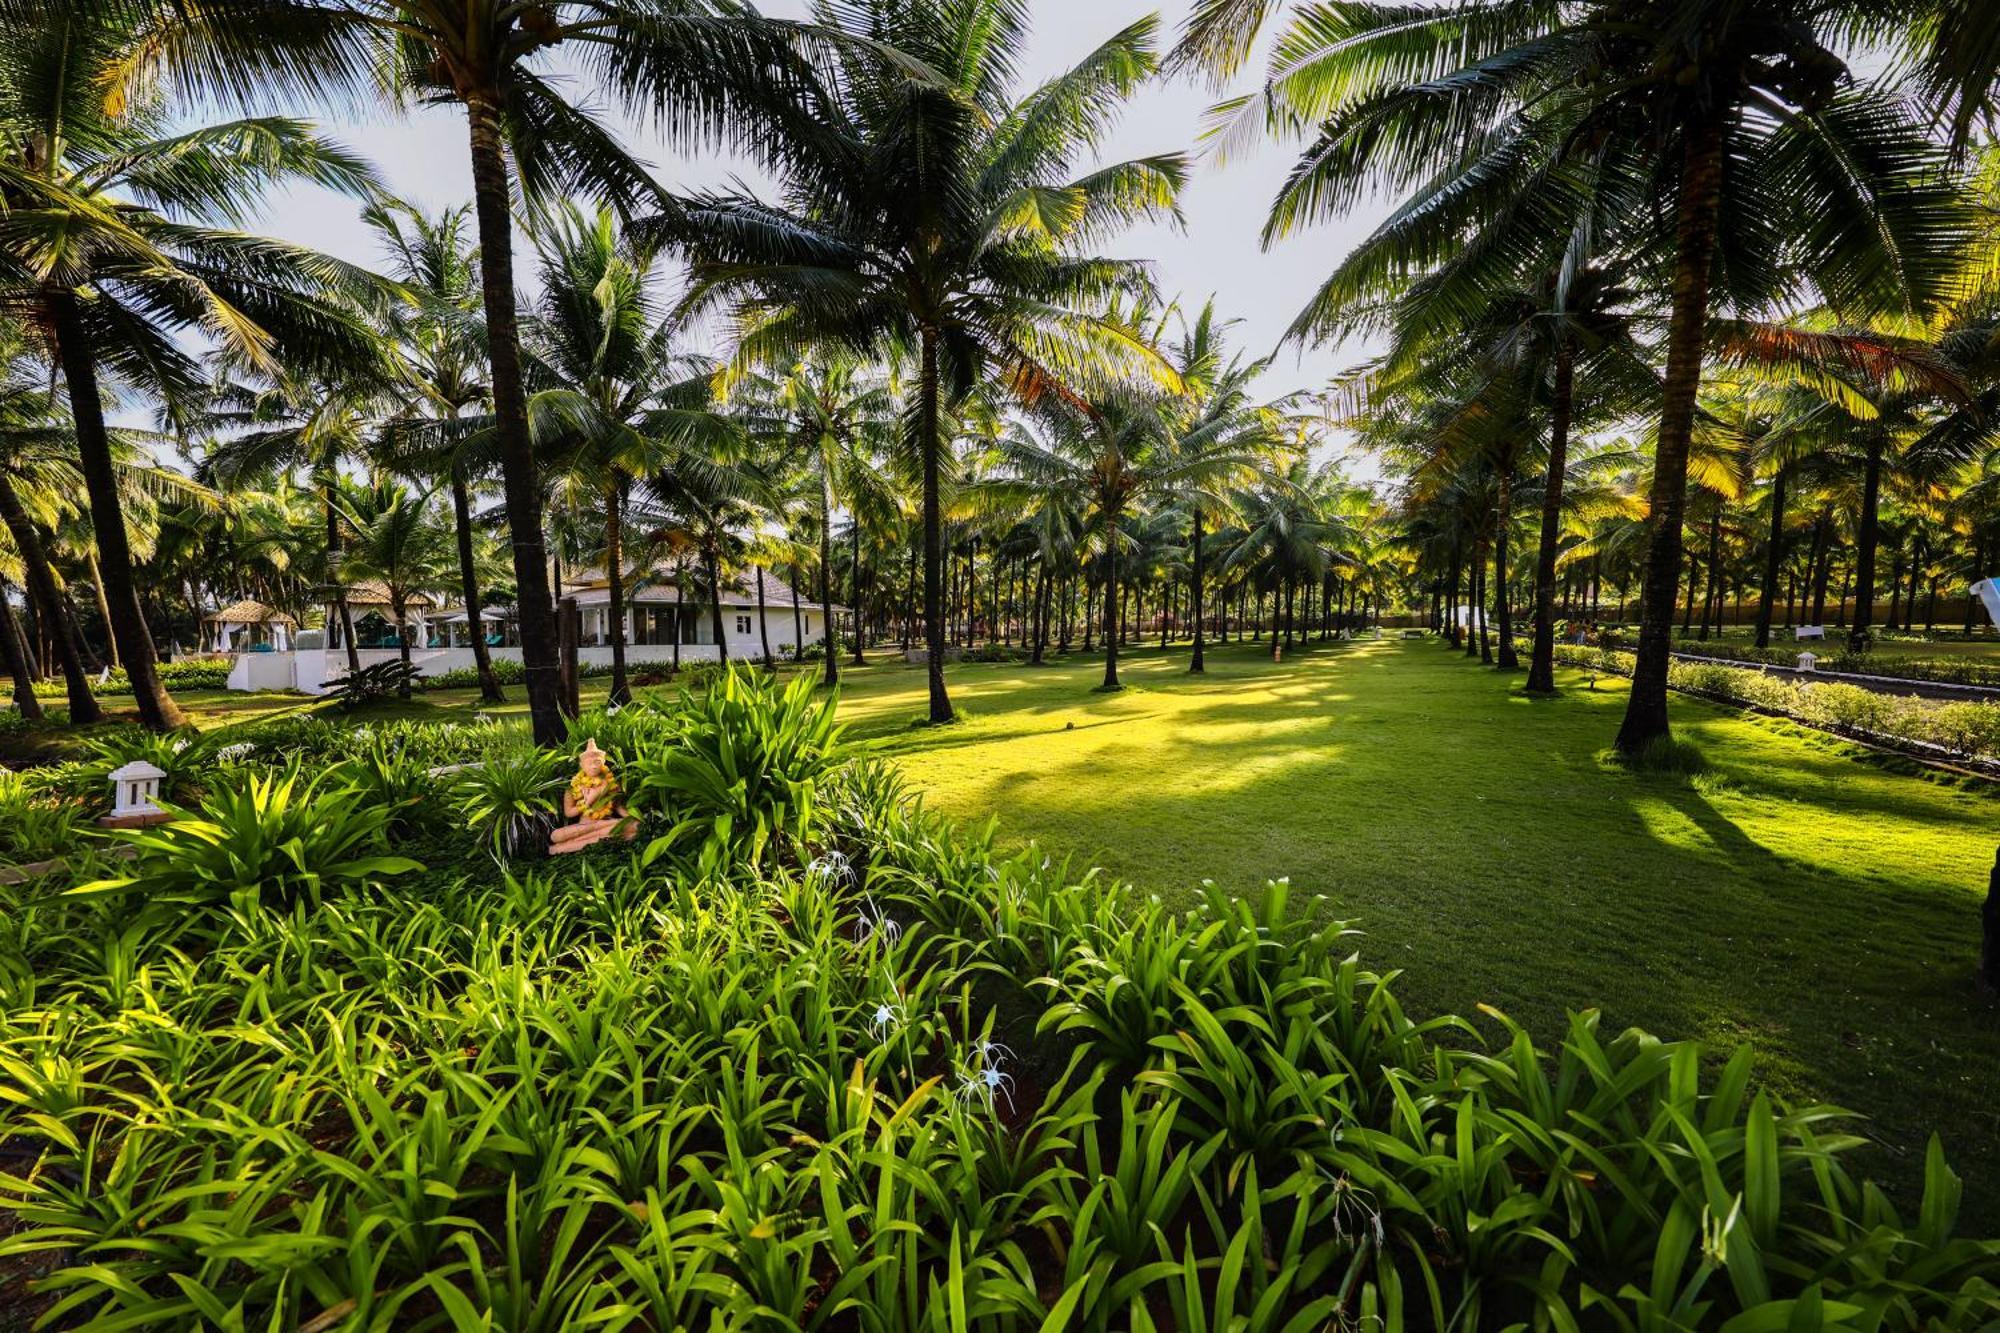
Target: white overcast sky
{"x":422,"y":156}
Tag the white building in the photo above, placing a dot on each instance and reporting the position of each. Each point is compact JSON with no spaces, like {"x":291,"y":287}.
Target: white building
{"x":656,"y":615}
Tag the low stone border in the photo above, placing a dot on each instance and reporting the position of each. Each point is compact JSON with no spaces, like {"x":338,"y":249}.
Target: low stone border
{"x":36,"y":869}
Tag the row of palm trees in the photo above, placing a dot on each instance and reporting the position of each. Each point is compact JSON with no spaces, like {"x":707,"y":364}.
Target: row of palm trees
{"x":1774,"y":524}
{"x":929,"y":214}
{"x":1609,"y":217}
{"x":652,"y":460}
{"x":1601,"y":202}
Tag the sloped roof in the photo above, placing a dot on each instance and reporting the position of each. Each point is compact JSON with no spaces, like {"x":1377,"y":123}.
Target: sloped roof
{"x":247,"y":612}
{"x":368,"y":592}
{"x":741,"y":589}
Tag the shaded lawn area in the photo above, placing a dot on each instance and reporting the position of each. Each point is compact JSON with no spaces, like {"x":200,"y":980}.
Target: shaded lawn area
{"x":1798,"y":898}
{"x":1816,"y":905}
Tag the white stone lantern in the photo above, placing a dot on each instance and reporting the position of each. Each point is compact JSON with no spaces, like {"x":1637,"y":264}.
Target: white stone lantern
{"x":1807,"y":661}
{"x":133,"y":788}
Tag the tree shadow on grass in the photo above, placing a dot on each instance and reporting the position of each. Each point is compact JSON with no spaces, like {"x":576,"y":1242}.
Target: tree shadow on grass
{"x":1822,"y":910}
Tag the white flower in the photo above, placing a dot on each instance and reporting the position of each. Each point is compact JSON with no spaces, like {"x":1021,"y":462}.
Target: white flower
{"x":873,"y":926}
{"x":833,"y":867}
{"x":986,"y":1084}
{"x":988,"y":1080}
{"x":991,"y":1052}
{"x":886,"y":1019}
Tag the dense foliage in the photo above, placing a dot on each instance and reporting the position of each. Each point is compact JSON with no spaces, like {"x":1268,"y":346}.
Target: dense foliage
{"x":1968,"y":730}
{"x":1961,"y":670}
{"x":873,"y":1073}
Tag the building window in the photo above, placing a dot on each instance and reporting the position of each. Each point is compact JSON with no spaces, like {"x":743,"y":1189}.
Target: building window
{"x":742,"y":624}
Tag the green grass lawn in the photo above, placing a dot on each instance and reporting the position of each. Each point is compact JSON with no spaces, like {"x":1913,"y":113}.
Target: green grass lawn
{"x":1797,"y":897}
{"x":1818,"y":906}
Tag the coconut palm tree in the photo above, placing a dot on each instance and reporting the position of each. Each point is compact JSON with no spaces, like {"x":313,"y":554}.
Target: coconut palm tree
{"x":700,"y":71}
{"x":1288,"y":536}
{"x":938,"y":217}
{"x":107,"y":253}
{"x":440,"y":346}
{"x":396,"y":538}
{"x":36,"y":473}
{"x":1118,"y":453}
{"x":1215,"y":415}
{"x":288,"y":423}
{"x":835,"y":418}
{"x":1747,"y":151}
{"x":613,"y":392}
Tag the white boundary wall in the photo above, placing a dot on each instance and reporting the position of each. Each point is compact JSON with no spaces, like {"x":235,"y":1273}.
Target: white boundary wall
{"x":317,"y":670}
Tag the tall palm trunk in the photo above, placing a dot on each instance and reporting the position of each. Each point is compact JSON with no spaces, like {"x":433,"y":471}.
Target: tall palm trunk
{"x":680,"y":610}
{"x":323,"y":482}
{"x":1451,"y":602}
{"x":47,"y":604}
{"x":468,"y":587}
{"x":1695,"y":222}
{"x":1041,"y":616}
{"x":1822,"y":562}
{"x":1858,"y":634}
{"x":1509,"y":661}
{"x":1716,"y":587}
{"x":712,"y":552}
{"x":614,"y":573}
{"x":1918,"y":556}
{"x":798,"y":622}
{"x":827,"y":635}
{"x":14,"y":648}
{"x":909,"y":600}
{"x":400,"y":609}
{"x":1114,"y":606}
{"x":763,"y":620}
{"x":157,"y":709}
{"x":1542,"y":661}
{"x":1485,"y":641}
{"x":1774,"y":557}
{"x":1195,"y":665}
{"x":930,"y":446}
{"x":536,"y":612}
{"x":854,"y":569}
{"x":104,"y":608}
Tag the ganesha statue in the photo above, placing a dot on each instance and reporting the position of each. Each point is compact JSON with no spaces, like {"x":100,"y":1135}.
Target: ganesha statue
{"x":596,"y":803}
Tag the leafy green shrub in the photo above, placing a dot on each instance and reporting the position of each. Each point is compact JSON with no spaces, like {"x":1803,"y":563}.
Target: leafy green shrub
{"x":510,"y":798}
{"x":187,"y":758}
{"x":916,"y":1083}
{"x":625,"y":732}
{"x":316,"y":737}
{"x":993,"y":652}
{"x":199,"y":673}
{"x":374,"y":683}
{"x":389,"y":776}
{"x":34,"y":827}
{"x":196,"y":674}
{"x":506,"y":670}
{"x":742,"y":768}
{"x":1951,"y":670}
{"x":1960,"y":730}
{"x":258,"y":839}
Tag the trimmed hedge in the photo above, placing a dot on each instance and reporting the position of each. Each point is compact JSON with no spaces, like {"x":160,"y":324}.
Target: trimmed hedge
{"x":1960,"y":670}
{"x":1961,"y":730}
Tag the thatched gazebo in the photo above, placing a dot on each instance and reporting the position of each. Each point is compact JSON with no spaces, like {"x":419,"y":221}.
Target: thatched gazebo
{"x":247,"y":626}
